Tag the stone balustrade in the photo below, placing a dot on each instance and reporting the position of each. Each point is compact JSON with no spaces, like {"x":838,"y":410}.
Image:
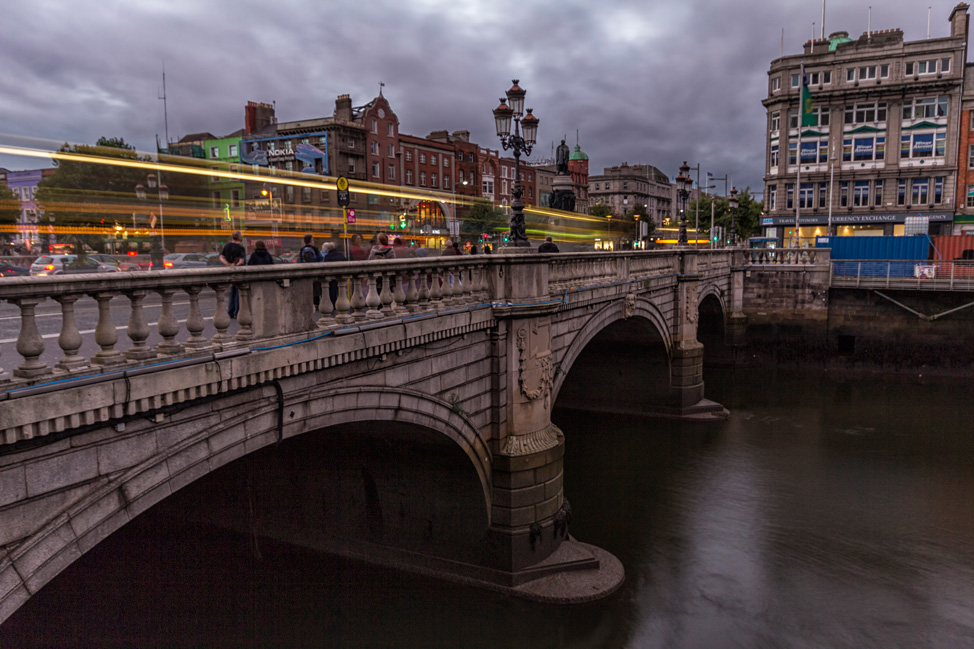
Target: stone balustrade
{"x":788,"y":256}
{"x":366,"y":292}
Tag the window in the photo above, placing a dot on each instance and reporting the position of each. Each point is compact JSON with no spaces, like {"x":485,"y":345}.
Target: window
{"x":325,"y":196}
{"x":625,"y":185}
{"x":970,"y":195}
{"x":433,"y":160}
{"x":821,"y":115}
{"x":789,"y":196}
{"x":392,"y":150}
{"x":793,"y":118}
{"x":844,"y":193}
{"x":234,"y":198}
{"x":816,"y":78}
{"x":938,"y":190}
{"x":867,"y":72}
{"x":926,"y":108}
{"x":775,"y":121}
{"x":289,"y":194}
{"x":409,"y":155}
{"x":901,"y":192}
{"x":215,"y":178}
{"x":375,"y":126}
{"x":865,"y":148}
{"x":305,"y":194}
{"x":823,"y":193}
{"x":806,"y":195}
{"x":776,"y":84}
{"x":503,"y":172}
{"x":392,"y":172}
{"x":374,"y":148}
{"x":503,"y":187}
{"x":446,"y":181}
{"x":375,"y":169}
{"x":945,"y":65}
{"x":323,"y":139}
{"x":773,"y":196}
{"x":923,"y":144}
{"x":813,"y":151}
{"x":488,"y":187}
{"x":422,"y":158}
{"x":470,"y":158}
{"x":446,"y":161}
{"x":920,"y":188}
{"x":878,"y":193}
{"x":860,"y":193}
{"x":795,"y":80}
{"x":351,"y":165}
{"x":214,"y":152}
{"x":860,"y":113}
{"x":409,"y":176}
{"x":350,"y":142}
{"x":597,"y":185}
{"x":233,"y":150}
{"x":433,"y":180}
{"x":607,"y":186}
{"x":422,"y":179}
{"x":390,"y":129}
{"x":970,"y":156}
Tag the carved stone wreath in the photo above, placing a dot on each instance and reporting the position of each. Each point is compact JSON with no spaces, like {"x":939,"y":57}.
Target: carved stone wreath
{"x":628,"y":306}
{"x":536,"y":376}
{"x":692,"y":306}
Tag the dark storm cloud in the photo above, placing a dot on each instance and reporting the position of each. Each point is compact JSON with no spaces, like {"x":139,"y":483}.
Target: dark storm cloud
{"x":655,"y":82}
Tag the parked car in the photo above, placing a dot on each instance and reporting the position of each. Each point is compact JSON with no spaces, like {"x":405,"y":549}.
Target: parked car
{"x":122,"y":264}
{"x":68,"y":264}
{"x":10,"y":270}
{"x":184,"y":260}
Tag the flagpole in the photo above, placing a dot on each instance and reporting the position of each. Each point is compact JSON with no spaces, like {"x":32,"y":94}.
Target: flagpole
{"x":798,"y":154}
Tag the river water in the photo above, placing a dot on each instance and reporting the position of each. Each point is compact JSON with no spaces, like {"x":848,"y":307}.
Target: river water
{"x":825,"y":512}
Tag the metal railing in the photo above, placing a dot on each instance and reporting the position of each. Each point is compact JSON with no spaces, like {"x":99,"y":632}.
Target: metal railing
{"x":923,"y":275}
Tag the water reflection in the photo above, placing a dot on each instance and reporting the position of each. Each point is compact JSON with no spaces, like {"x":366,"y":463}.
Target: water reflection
{"x":823,"y":513}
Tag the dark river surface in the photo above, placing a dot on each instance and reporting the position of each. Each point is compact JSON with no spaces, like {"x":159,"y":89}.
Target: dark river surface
{"x":826,"y":512}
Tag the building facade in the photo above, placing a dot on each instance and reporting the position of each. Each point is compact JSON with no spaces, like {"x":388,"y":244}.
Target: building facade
{"x":624,"y":187}
{"x":883,"y":138}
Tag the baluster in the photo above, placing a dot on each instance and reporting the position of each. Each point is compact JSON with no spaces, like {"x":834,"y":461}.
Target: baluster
{"x":325,"y":306}
{"x":466,"y":286}
{"x":194,"y":321}
{"x":343,"y":305}
{"x":105,"y":333}
{"x":484,"y":282}
{"x":400,"y":295}
{"x":413,"y":293}
{"x":167,"y":326}
{"x":358,"y":300}
{"x":221,"y":319}
{"x":423,"y":287}
{"x":448,"y":286}
{"x":30,"y":345}
{"x":372,"y":300}
{"x":70,"y":338}
{"x":386,"y":295}
{"x":138,"y":328}
{"x":436,"y":288}
{"x":245,"y":317}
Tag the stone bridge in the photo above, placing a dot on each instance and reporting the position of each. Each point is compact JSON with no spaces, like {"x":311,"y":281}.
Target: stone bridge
{"x":409,"y":422}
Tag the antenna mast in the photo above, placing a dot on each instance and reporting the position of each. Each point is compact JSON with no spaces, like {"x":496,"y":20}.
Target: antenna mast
{"x":165,"y":105}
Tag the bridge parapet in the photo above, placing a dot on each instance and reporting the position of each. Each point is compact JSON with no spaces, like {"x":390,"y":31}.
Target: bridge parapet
{"x":788,"y":256}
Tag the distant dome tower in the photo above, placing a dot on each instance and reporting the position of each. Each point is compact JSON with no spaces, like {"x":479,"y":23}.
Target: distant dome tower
{"x":578,"y":168}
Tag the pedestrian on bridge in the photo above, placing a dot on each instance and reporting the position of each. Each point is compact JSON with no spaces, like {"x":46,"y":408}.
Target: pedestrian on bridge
{"x":233,"y":254}
{"x":260,"y":256}
{"x":548,"y":246}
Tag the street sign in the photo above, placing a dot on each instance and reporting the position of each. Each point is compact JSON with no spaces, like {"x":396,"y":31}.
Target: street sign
{"x":342,"y":185}
{"x":350,"y":215}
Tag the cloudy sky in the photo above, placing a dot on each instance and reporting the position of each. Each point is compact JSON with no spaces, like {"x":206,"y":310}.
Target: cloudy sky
{"x":650,"y":81}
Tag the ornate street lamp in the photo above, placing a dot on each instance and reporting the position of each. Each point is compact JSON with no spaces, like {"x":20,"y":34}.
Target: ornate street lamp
{"x":521,"y":141}
{"x":732,"y":204}
{"x":683,"y":185}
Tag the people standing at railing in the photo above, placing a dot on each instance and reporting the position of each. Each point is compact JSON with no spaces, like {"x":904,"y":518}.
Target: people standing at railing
{"x":402,"y":251}
{"x":330,"y":252}
{"x":233,"y":254}
{"x":308,"y":254}
{"x":548,"y":246}
{"x":451,"y":249}
{"x":260,"y":256}
{"x":381,"y":249}
{"x":356,"y":250}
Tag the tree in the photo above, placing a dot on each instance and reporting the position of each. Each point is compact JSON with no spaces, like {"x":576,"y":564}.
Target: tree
{"x":483,"y":218}
{"x":747,"y":219}
{"x":644,"y":217}
{"x":601,"y":210}
{"x":88,"y":197}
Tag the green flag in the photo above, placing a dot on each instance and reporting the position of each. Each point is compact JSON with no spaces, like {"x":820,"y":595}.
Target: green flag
{"x":808,"y":117}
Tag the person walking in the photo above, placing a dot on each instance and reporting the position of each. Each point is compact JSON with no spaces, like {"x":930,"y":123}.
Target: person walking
{"x":356,"y":250}
{"x":381,"y":249}
{"x":260,"y":256}
{"x":308,"y":254}
{"x":548,"y":246}
{"x":233,"y":254}
{"x":451,"y":249}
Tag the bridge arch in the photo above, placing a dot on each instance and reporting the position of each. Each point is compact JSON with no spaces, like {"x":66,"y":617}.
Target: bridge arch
{"x":221,"y":432}
{"x":643,"y":308}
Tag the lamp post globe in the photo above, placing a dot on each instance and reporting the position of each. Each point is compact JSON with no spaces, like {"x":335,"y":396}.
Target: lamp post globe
{"x":521,"y":140}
